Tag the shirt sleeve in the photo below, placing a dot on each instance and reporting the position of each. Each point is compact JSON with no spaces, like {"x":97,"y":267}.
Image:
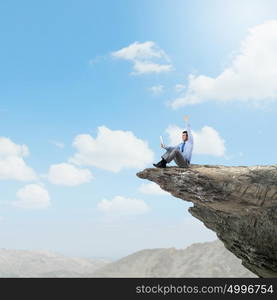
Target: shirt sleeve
{"x":190,"y":137}
{"x":169,"y":148}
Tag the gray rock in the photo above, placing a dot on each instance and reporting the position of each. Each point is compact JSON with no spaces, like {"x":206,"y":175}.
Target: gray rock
{"x":238,"y":203}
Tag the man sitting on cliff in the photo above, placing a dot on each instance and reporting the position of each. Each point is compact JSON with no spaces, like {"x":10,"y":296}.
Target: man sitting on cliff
{"x":180,"y":153}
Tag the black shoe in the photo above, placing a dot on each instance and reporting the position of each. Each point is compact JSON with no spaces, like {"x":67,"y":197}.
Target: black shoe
{"x":157,"y":165}
{"x":161,"y":164}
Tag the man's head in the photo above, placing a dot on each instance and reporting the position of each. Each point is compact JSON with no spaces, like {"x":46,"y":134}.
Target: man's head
{"x":185,"y":135}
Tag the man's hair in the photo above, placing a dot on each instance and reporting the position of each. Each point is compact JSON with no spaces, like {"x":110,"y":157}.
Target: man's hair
{"x":185,"y":132}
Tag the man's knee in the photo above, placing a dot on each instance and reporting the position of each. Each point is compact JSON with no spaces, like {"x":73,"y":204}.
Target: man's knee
{"x":177,"y":150}
{"x":172,"y":150}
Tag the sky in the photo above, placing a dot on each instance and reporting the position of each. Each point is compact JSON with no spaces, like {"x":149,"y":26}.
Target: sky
{"x":87,"y":88}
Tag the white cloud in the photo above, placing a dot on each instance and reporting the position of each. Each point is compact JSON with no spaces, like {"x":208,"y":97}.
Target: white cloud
{"x":156,"y":89}
{"x":69,"y":175}
{"x":123,"y":206}
{"x":142,"y":55}
{"x":179,"y":87}
{"x":251,"y":75}
{"x":32,"y":196}
{"x":111,"y":150}
{"x":206,"y":141}
{"x":152,"y":189}
{"x":140,"y":51}
{"x":58,"y":144}
{"x":9,"y":148}
{"x":12,"y":164}
{"x":142,"y":67}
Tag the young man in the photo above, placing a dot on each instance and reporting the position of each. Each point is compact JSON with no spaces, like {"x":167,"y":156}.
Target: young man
{"x":180,"y":153}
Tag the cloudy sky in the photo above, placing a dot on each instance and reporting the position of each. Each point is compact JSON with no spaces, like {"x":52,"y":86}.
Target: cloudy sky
{"x":87,"y":88}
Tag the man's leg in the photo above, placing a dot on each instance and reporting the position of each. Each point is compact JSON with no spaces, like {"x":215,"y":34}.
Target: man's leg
{"x":163,"y":162}
{"x":169,"y":154}
{"x":181,"y":161}
{"x":177,"y":156}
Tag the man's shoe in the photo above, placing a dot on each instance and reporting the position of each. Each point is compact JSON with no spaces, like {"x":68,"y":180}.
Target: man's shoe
{"x":160,"y":164}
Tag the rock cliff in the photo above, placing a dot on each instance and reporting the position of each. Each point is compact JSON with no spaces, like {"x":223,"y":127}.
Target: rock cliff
{"x":238,"y":203}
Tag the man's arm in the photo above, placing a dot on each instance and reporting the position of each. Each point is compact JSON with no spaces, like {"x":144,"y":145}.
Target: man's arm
{"x":168,"y":148}
{"x":190,"y":137}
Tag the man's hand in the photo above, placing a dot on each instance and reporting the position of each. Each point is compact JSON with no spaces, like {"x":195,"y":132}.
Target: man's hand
{"x":186,"y":118}
{"x":162,"y":145}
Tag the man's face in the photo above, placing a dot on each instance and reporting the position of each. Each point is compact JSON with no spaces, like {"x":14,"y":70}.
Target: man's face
{"x":184,"y":136}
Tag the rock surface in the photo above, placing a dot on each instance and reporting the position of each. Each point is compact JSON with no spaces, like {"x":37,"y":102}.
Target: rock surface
{"x":238,"y":203}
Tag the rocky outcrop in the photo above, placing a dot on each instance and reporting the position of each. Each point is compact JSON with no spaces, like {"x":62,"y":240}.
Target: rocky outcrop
{"x":238,"y":203}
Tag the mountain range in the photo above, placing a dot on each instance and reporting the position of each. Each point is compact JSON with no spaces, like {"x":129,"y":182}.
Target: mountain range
{"x":209,"y":259}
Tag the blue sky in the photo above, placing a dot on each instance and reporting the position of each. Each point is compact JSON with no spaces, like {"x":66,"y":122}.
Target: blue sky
{"x":62,"y":76}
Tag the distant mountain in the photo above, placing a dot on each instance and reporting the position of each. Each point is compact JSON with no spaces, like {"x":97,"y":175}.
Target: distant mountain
{"x":23,"y":263}
{"x":210,"y":259}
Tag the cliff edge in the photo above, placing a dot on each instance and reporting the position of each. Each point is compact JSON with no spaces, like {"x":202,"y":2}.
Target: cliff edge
{"x":238,"y":203}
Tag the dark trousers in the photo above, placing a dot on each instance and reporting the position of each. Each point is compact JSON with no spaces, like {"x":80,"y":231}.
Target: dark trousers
{"x":176,"y":154}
